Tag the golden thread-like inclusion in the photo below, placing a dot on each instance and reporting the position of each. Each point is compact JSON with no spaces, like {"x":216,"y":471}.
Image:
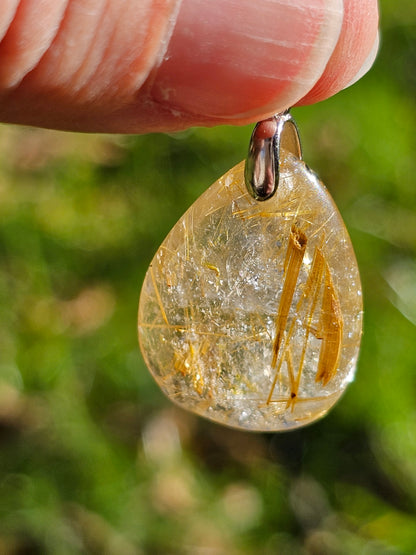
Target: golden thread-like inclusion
{"x":251,"y":312}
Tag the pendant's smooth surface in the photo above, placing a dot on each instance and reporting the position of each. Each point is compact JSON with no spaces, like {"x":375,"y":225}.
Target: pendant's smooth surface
{"x":251,"y":312}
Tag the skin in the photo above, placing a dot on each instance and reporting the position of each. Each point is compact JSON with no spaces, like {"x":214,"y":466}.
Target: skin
{"x":136,"y":66}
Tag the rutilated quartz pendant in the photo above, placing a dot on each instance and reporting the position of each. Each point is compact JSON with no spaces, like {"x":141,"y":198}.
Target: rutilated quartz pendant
{"x":251,"y":312}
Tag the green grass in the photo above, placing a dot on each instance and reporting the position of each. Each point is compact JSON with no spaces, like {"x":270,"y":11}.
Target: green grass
{"x":93,"y":457}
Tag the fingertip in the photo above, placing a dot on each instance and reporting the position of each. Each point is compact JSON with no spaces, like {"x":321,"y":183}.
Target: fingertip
{"x":368,"y":62}
{"x":354,"y":53}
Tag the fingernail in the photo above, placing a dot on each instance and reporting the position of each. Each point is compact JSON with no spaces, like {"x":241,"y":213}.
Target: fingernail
{"x":226,"y":58}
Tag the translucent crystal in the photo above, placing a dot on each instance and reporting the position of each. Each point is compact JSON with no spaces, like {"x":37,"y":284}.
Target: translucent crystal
{"x":251,"y":312}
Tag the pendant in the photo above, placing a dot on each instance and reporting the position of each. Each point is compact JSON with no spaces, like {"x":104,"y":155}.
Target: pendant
{"x":251,"y":311}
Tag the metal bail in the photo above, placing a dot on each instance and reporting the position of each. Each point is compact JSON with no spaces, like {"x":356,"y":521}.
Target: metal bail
{"x":261,"y":171}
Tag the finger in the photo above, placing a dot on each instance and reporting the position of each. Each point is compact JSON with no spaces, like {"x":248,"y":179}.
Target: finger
{"x":157,"y":65}
{"x":75,"y":64}
{"x":25,"y":37}
{"x":7,"y":10}
{"x":354,"y":53}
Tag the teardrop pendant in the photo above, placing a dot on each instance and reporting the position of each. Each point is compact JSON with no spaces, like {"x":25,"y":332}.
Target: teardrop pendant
{"x":251,"y":312}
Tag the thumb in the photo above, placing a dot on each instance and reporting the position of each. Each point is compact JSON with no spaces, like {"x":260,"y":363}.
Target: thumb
{"x":157,"y":65}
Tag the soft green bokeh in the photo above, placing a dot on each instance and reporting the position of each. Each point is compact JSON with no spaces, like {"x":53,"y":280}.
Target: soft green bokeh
{"x":93,"y":458}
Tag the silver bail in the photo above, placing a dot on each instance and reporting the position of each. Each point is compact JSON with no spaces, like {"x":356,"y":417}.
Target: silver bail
{"x":261,"y":171}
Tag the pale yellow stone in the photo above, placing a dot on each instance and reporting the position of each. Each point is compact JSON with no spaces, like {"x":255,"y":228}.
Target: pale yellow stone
{"x":251,"y":312}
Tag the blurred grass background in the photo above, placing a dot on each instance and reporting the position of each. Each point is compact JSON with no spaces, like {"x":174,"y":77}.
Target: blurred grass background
{"x":93,"y":459}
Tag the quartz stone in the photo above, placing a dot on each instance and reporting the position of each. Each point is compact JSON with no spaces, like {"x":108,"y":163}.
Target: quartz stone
{"x":251,"y":312}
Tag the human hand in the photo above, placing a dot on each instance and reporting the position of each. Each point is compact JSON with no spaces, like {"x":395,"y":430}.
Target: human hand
{"x":136,"y":66}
